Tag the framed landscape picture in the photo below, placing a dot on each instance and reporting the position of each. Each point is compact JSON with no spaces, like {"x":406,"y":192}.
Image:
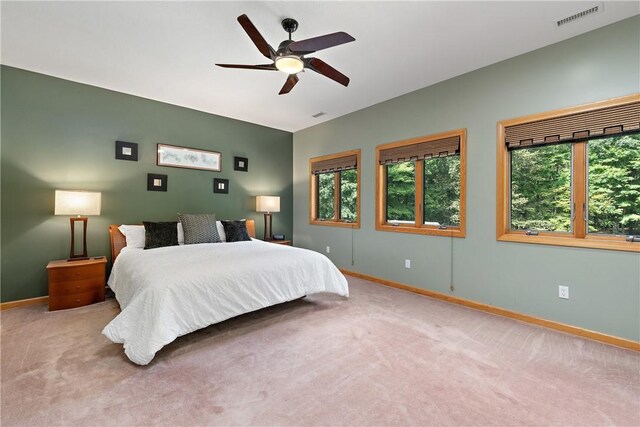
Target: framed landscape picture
{"x":191,"y":158}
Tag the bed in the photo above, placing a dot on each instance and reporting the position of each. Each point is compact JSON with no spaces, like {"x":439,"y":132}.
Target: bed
{"x":168,"y":292}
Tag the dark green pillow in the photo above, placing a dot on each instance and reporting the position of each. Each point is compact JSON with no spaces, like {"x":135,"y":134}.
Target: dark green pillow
{"x":236,"y":231}
{"x":160,"y":234}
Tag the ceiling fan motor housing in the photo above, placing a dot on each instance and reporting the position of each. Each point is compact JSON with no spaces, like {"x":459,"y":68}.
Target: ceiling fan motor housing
{"x":282,"y":47}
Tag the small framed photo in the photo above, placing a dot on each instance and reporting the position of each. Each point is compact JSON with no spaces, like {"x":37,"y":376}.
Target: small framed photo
{"x":220,"y":185}
{"x":156,"y":182}
{"x":126,"y":151}
{"x":241,"y":164}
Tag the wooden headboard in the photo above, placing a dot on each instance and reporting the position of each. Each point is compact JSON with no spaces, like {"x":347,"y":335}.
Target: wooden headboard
{"x":118,"y":241}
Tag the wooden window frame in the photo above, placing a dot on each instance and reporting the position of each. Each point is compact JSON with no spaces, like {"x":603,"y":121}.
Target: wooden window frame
{"x":418,"y":227}
{"x":578,"y":237}
{"x":313,"y":193}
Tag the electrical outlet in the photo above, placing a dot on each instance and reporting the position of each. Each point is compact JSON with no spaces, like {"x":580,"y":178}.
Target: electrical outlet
{"x":328,"y":249}
{"x":563,"y":292}
{"x":407,"y":263}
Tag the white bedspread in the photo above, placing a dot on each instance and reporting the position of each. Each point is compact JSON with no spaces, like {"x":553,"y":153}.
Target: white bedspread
{"x":168,"y":292}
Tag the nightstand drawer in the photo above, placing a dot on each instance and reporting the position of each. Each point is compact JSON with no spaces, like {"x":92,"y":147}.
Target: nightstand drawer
{"x":75,"y":286}
{"x":79,"y":273}
{"x":60,"y":302}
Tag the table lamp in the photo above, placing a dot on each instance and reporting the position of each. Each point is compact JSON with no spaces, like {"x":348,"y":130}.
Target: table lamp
{"x":267,"y":204}
{"x":77,"y":204}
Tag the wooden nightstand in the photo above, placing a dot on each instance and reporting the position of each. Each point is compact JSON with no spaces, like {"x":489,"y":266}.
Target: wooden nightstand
{"x":76,"y":283}
{"x":280,"y":242}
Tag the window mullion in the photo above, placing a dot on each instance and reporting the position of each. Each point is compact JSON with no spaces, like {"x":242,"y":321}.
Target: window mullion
{"x":579,"y":185}
{"x":336,"y":196}
{"x":419,"y":195}
{"x":316,"y":197}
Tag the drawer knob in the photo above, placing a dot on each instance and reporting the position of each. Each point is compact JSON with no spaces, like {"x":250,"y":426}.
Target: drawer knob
{"x":77,"y":274}
{"x":77,"y":300}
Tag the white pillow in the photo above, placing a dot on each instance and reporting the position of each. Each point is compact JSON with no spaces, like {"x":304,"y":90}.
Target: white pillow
{"x":180,"y":234}
{"x":134,"y":235}
{"x":220,"y":228}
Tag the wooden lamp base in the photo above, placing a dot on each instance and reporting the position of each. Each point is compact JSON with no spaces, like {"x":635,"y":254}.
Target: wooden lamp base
{"x":72,"y":253}
{"x":268,"y":234}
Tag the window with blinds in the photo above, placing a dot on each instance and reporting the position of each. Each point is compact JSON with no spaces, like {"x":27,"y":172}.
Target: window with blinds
{"x":420,"y":185}
{"x":572,"y":176}
{"x":334,"y":196}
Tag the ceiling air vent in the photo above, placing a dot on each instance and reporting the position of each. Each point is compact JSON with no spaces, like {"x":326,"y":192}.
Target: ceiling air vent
{"x":595,"y":9}
{"x":316,"y":115}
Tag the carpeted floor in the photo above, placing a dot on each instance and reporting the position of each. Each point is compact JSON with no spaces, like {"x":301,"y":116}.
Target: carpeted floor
{"x":382,"y":357}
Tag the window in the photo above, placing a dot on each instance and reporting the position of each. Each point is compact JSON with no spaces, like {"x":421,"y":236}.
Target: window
{"x":401,"y":192}
{"x":572,"y":177}
{"x":420,"y":185}
{"x":349,"y":195}
{"x":334,"y":196}
{"x":541,"y":188}
{"x":326,"y":195}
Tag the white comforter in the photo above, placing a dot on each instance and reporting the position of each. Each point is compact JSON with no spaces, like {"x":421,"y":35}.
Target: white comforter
{"x":168,"y":292}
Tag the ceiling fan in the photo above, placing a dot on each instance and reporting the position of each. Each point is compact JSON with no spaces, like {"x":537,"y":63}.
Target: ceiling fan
{"x":290,"y":56}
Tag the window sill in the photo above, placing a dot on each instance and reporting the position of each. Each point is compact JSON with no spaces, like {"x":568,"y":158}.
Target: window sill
{"x":329,"y":223}
{"x":403,"y":228}
{"x":589,"y":242}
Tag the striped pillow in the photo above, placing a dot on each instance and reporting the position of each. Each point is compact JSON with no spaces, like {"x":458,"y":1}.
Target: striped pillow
{"x":199,"y":228}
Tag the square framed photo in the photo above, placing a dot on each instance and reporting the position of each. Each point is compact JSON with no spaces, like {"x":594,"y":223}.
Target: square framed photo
{"x":156,"y":182}
{"x":241,"y":164}
{"x":126,"y":151}
{"x":220,"y":185}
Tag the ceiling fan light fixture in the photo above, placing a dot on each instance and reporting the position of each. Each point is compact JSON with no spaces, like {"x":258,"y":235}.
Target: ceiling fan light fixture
{"x":289,"y":64}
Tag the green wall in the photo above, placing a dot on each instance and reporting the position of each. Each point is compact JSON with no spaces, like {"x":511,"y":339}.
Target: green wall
{"x":58,"y":134}
{"x":604,"y":285}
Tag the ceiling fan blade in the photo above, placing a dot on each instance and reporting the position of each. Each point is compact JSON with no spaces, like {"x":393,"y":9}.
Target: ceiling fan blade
{"x":289,"y":84}
{"x":270,"y":67}
{"x":256,"y":37}
{"x":321,"y":67}
{"x":315,"y":44}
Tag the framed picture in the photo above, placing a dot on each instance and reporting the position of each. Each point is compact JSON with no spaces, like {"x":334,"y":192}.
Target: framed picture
{"x":191,"y":158}
{"x":241,"y":164}
{"x":126,"y":151}
{"x":220,"y":185}
{"x":156,"y":182}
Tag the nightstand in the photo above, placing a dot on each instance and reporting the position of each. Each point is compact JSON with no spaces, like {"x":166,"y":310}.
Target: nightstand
{"x":76,"y":283}
{"x":280,"y":242}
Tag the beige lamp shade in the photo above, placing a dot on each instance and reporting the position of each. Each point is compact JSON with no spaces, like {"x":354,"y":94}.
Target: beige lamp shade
{"x":77,"y":203}
{"x":267,"y":204}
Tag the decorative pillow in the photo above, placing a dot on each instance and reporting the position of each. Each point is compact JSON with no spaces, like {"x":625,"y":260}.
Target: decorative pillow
{"x":236,"y":231}
{"x":134,"y":235}
{"x":160,"y":234}
{"x":199,"y":228}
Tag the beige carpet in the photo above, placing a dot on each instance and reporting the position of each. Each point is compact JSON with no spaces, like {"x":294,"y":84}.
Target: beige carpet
{"x":382,"y":357}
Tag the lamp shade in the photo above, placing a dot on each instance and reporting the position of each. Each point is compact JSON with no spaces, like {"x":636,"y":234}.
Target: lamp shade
{"x":77,"y":203}
{"x":267,"y":204}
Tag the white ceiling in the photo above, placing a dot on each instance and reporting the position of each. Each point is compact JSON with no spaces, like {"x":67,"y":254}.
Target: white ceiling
{"x":166,"y":50}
